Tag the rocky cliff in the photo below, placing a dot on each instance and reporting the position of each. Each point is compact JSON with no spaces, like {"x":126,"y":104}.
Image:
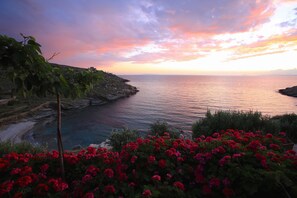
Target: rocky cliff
{"x":290,"y":91}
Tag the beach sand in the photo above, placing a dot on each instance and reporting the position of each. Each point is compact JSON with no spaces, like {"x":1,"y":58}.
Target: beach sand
{"x":15,"y":132}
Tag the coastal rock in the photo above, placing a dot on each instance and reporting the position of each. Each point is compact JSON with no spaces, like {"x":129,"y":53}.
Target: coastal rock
{"x":77,"y":147}
{"x":104,"y":144}
{"x":290,"y":91}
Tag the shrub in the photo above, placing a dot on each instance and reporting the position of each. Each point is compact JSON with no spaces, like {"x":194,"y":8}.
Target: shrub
{"x":22,"y":147}
{"x":158,"y":128}
{"x":120,"y":138}
{"x":231,"y":163}
{"x":222,"y":120}
{"x":288,"y":124}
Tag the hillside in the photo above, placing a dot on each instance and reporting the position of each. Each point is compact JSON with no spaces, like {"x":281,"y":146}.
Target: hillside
{"x":110,"y":88}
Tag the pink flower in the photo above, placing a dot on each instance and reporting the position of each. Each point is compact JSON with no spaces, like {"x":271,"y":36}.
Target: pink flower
{"x":132,"y":184}
{"x":147,"y":193}
{"x":162,"y":163}
{"x":156,"y":178}
{"x":179,"y":185}
{"x":109,"y":189}
{"x":109,"y":172}
{"x":151,"y":159}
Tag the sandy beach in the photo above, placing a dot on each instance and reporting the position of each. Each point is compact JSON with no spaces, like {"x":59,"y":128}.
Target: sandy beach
{"x":15,"y":132}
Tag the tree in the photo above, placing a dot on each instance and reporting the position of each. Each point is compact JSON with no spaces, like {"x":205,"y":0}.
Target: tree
{"x":31,"y":73}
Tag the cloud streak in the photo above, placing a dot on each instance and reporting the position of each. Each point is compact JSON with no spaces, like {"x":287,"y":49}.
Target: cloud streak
{"x":95,"y":33}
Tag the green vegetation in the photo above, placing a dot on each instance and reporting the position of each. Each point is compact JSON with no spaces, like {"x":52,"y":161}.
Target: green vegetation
{"x":21,"y":148}
{"x":31,"y":74}
{"x":158,"y":128}
{"x":247,"y":121}
{"x":120,"y":138}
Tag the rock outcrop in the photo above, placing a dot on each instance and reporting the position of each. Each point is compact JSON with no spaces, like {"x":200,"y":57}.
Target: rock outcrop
{"x":290,"y":91}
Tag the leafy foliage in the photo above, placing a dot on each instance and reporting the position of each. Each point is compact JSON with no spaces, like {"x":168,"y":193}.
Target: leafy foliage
{"x":248,"y":121}
{"x":120,"y":138}
{"x":160,"y":127}
{"x":23,"y":147}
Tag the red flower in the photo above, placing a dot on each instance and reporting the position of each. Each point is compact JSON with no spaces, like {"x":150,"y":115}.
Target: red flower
{"x":24,"y":181}
{"x":109,"y":189}
{"x":156,"y":178}
{"x":109,"y":172}
{"x":179,"y":185}
{"x":268,"y":135}
{"x":228,"y":192}
{"x":41,"y":188}
{"x":133,"y":159}
{"x":6,"y":187}
{"x":92,"y":170}
{"x":123,"y":176}
{"x":15,"y":171}
{"x":86,"y":178}
{"x":274,"y":146}
{"x":162,"y":163}
{"x":44,"y":168}
{"x":26,"y":170}
{"x":151,"y":159}
{"x":55,"y":154}
{"x":147,"y":193}
{"x":224,"y":160}
{"x":58,"y":184}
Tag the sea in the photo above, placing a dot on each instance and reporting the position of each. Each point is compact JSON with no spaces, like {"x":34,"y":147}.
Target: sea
{"x":177,"y":100}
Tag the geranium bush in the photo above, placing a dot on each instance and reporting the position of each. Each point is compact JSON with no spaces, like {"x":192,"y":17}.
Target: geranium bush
{"x":231,"y":163}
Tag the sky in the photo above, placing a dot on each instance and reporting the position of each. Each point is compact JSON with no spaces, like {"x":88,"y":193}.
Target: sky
{"x":160,"y":36}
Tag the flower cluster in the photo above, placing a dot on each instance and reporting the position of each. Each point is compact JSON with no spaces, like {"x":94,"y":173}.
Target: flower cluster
{"x":229,"y":163}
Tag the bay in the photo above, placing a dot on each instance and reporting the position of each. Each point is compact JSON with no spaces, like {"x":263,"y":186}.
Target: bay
{"x":178,"y":100}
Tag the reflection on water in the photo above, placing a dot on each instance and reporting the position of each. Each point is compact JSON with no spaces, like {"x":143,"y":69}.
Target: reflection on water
{"x":179,"y":100}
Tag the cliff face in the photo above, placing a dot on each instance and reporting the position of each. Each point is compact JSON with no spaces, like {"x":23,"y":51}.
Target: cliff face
{"x":290,"y":91}
{"x":112,"y":88}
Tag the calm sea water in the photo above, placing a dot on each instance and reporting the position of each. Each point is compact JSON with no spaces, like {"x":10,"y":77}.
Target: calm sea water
{"x":179,"y":100}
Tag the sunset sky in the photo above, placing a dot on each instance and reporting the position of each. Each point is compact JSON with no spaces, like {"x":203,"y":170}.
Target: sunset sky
{"x":160,"y":36}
